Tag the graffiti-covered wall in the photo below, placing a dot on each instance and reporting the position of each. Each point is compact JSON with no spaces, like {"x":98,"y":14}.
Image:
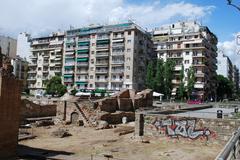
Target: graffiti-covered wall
{"x":186,"y":127}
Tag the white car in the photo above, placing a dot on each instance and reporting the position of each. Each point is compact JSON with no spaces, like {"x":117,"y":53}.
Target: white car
{"x":78,"y":94}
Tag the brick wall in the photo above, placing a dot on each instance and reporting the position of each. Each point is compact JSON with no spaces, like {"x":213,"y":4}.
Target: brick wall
{"x":9,"y":116}
{"x":31,"y":110}
{"x":186,"y":127}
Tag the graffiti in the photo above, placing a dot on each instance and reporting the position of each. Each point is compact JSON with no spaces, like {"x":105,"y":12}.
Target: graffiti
{"x":185,"y":128}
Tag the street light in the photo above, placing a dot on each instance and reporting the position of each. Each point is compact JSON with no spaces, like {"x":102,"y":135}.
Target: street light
{"x":234,"y":5}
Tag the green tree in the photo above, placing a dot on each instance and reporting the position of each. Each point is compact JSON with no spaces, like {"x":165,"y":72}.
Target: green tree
{"x":190,"y":82}
{"x":181,"y":89}
{"x":224,"y":87}
{"x":159,"y":79}
{"x":168,"y":76}
{"x":150,"y":76}
{"x":54,"y":86}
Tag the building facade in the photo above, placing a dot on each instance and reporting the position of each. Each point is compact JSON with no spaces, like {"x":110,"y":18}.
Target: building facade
{"x":45,"y":61}
{"x":191,"y":45}
{"x":224,"y":66}
{"x":20,"y":69}
{"x":236,"y":79}
{"x":23,"y":45}
{"x":9,"y":46}
{"x":106,"y":57}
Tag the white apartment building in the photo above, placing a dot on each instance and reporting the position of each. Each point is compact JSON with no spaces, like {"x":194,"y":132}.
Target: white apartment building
{"x":20,"y":69}
{"x":190,"y":44}
{"x":46,"y":61}
{"x":107,"y":57}
{"x":8,"y":46}
{"x":224,"y":66}
{"x":23,"y":45}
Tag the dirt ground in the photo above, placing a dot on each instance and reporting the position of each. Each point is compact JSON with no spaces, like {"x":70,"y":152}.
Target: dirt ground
{"x":90,"y":144}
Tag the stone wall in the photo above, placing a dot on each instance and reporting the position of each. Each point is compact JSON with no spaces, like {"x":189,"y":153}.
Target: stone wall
{"x":32,"y":110}
{"x":116,"y":118}
{"x":10,"y":100}
{"x":185,"y":127}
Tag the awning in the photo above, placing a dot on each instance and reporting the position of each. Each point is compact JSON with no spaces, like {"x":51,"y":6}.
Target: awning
{"x":82,"y":59}
{"x":83,"y":43}
{"x":67,"y":75}
{"x":68,"y":66}
{"x":102,"y":41}
{"x":81,"y":83}
{"x":83,"y":51}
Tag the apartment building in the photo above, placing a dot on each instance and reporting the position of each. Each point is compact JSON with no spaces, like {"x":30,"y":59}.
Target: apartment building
{"x":236,"y":78}
{"x":190,"y":44}
{"x":9,"y":46}
{"x":23,"y":45}
{"x":224,"y":66}
{"x":20,"y":69}
{"x":107,"y":57}
{"x":45,"y":61}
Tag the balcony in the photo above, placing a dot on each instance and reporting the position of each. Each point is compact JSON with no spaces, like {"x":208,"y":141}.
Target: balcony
{"x":57,"y":70}
{"x":31,"y":78}
{"x":70,"y":49}
{"x":31,"y":86}
{"x":46,"y":55}
{"x":82,"y":72}
{"x":178,"y":68}
{"x":32,"y":71}
{"x":58,"y":62}
{"x":69,"y":53}
{"x":118,"y":36}
{"x":101,"y":71}
{"x":120,"y":45}
{"x":69,"y":64}
{"x":199,"y":85}
{"x":82,"y":55}
{"x":82,"y":63}
{"x":32,"y":65}
{"x":198,"y":63}
{"x":33,"y":57}
{"x":102,"y":37}
{"x":174,"y":81}
{"x":45,"y":71}
{"x":117,"y":53}
{"x":118,"y":62}
{"x":44,"y":78}
{"x":117,"y":80}
{"x":199,"y":74}
{"x":118,"y":71}
{"x":101,"y":80}
{"x":198,"y":55}
{"x":81,"y":79}
{"x":175,"y":56}
{"x":46,"y":63}
{"x":102,"y":63}
{"x":102,"y":46}
{"x":83,"y":39}
{"x":69,"y":80}
{"x":68,"y":72}
{"x":102,"y":54}
{"x":83,"y":47}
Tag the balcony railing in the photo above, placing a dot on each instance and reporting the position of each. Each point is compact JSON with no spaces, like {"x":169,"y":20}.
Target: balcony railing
{"x":82,"y":72}
{"x":101,"y":71}
{"x":118,"y":44}
{"x":83,"y":39}
{"x":117,"y":80}
{"x":101,"y":80}
{"x":31,"y":78}
{"x":102,"y":37}
{"x":103,"y":46}
{"x":68,"y":80}
{"x":101,"y":62}
{"x":102,"y":54}
{"x":117,"y":62}
{"x":81,"y":79}
{"x":68,"y":72}
{"x":82,"y":55}
{"x":117,"y":53}
{"x":82,"y":63}
{"x":118,"y":71}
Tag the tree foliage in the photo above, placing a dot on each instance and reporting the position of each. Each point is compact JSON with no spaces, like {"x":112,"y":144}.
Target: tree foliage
{"x":181,"y":89}
{"x":191,"y":81}
{"x":224,"y":87}
{"x":168,"y":76}
{"x":159,"y":78}
{"x":150,"y":76}
{"x":54,"y":86}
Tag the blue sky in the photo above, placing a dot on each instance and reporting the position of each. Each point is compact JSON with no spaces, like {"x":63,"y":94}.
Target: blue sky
{"x":41,"y":17}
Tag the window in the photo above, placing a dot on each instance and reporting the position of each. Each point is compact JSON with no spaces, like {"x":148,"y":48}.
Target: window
{"x":129,"y":41}
{"x":93,"y":36}
{"x":127,"y":85}
{"x":187,"y":53}
{"x":93,"y":44}
{"x":129,"y":32}
{"x":92,"y":52}
{"x":91,"y":85}
{"x":186,"y":61}
{"x":128,"y":67}
{"x":129,"y":50}
{"x":92,"y":68}
{"x":128,"y":58}
{"x":127,"y":77}
{"x":39,"y":68}
{"x":91,"y":77}
{"x":92,"y":61}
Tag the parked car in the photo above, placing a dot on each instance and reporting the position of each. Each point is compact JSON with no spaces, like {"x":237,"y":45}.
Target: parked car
{"x":78,"y":94}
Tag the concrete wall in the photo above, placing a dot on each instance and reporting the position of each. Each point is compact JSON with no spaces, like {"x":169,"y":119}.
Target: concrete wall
{"x":32,"y":110}
{"x":185,"y":127}
{"x":9,"y":116}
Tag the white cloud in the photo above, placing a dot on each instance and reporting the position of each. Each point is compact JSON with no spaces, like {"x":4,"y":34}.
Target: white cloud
{"x":231,"y":49}
{"x":41,"y":16}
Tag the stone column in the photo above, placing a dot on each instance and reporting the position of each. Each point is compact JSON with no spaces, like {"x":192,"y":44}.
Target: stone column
{"x":139,"y":124}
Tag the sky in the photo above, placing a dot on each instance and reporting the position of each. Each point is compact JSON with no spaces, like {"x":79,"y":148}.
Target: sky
{"x":41,"y":17}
